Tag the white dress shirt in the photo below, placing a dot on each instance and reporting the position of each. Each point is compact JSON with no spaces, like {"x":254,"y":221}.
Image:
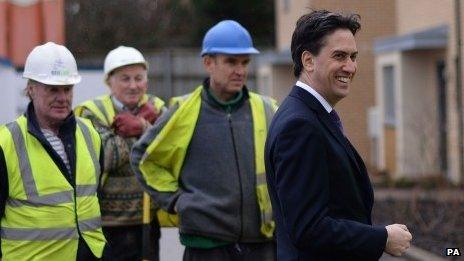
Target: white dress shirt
{"x":314,"y":93}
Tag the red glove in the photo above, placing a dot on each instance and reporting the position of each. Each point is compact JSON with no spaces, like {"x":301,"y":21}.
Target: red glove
{"x":148,"y":112}
{"x":128,"y":125}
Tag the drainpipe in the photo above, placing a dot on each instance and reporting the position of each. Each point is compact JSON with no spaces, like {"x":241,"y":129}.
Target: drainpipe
{"x":458,"y":60}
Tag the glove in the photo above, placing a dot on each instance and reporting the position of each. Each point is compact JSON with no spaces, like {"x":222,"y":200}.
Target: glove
{"x":148,"y":112}
{"x":128,"y":125}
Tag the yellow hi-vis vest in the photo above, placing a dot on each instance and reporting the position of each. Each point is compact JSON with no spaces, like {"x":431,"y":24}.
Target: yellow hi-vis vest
{"x":44,"y":215}
{"x":163,"y":159}
{"x":102,"y":107}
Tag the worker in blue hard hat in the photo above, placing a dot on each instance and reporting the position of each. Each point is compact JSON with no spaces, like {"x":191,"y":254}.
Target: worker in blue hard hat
{"x":203,"y":159}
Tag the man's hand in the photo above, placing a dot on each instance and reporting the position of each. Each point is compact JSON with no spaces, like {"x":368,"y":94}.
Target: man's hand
{"x":148,"y":112}
{"x":128,"y":125}
{"x":398,"y":240}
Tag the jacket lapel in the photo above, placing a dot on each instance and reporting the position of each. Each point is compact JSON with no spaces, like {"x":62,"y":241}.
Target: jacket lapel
{"x":337,"y":133}
{"x":324,"y":117}
{"x":362,"y":179}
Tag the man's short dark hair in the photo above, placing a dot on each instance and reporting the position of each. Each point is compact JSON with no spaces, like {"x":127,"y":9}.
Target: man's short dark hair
{"x":311,"y":30}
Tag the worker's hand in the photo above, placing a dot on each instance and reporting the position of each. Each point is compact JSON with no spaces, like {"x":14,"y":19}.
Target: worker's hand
{"x":148,"y":112}
{"x":128,"y":125}
{"x":398,"y":240}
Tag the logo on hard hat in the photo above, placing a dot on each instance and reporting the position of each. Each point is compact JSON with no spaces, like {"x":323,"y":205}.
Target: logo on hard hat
{"x":59,"y":69}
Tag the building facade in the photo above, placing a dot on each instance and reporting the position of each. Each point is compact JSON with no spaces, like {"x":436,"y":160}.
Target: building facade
{"x":418,"y":91}
{"x":275,"y":72}
{"x":23,"y":25}
{"x":404,"y":113}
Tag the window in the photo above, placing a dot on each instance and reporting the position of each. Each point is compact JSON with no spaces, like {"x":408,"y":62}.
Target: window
{"x":286,"y":6}
{"x":388,"y":74}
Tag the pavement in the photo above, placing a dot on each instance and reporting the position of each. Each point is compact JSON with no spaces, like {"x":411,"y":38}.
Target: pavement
{"x":387,"y":257}
{"x":172,"y":250}
{"x":170,"y":247}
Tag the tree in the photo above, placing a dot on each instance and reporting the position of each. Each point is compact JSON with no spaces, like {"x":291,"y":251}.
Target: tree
{"x":94,"y":27}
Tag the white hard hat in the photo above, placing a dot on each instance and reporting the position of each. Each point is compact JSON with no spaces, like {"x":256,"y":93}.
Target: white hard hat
{"x":122,"y":56}
{"x":51,"y":64}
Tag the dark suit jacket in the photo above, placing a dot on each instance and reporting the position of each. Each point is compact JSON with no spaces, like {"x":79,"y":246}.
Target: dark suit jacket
{"x":320,"y":191}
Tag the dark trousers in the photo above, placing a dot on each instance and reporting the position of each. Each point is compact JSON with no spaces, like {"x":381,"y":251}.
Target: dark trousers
{"x":84,"y":253}
{"x":126,"y":244}
{"x":233,"y":252}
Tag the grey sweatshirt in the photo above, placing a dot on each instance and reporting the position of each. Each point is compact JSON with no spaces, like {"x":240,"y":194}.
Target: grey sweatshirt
{"x":217,"y":183}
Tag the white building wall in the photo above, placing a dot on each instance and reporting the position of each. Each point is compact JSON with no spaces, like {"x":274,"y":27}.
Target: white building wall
{"x":91,"y":86}
{"x":11,"y":99}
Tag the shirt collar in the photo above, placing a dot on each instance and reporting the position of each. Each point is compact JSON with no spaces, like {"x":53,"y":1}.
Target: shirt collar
{"x":321,"y":99}
{"x":120,"y":107}
{"x":229,"y":106}
{"x":117,"y":104}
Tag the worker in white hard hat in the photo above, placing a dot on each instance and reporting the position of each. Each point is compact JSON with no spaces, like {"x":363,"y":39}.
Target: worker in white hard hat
{"x":204,"y":160}
{"x":50,"y":164}
{"x":121,"y":118}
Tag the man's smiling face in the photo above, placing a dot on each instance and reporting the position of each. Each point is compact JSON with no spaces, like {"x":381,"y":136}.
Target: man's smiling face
{"x":333,"y":69}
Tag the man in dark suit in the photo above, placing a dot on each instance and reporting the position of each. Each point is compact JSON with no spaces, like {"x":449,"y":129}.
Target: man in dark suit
{"x":320,"y":191}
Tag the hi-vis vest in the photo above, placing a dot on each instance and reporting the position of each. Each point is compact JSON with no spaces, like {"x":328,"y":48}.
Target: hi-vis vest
{"x":44,"y":215}
{"x":102,"y":107}
{"x":163,"y":159}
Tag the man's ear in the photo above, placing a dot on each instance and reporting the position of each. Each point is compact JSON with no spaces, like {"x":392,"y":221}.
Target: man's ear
{"x":208,"y":62}
{"x":30,"y":91}
{"x":307,"y":59}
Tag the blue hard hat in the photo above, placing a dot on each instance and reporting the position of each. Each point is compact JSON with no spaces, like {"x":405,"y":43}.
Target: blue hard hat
{"x":228,"y":37}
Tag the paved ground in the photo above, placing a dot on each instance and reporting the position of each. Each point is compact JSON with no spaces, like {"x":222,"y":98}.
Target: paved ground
{"x":387,"y":257}
{"x":171,"y":249}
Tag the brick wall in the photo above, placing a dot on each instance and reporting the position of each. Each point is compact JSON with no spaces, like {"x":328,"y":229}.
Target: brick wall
{"x":377,"y":19}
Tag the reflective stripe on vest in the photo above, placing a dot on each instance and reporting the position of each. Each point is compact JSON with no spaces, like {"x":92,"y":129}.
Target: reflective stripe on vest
{"x":269,"y":110}
{"x":44,"y":214}
{"x":35,"y":234}
{"x":262,"y":105}
{"x":33,"y":198}
{"x":88,"y":142}
{"x":101,"y":107}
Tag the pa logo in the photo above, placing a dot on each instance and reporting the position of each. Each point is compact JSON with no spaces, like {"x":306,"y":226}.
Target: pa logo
{"x":453,"y":252}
